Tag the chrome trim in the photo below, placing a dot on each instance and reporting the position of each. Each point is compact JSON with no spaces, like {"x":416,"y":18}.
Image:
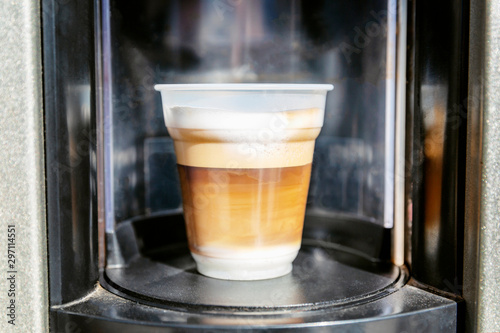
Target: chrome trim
{"x":398,"y":241}
{"x":107,"y":120}
{"x":390,"y":110}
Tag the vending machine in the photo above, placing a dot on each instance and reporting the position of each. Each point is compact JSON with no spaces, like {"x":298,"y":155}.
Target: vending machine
{"x":400,"y":226}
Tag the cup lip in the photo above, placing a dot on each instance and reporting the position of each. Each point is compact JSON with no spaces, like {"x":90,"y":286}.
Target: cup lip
{"x":244,"y":87}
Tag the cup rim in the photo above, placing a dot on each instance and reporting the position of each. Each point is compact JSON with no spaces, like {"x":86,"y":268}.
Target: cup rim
{"x":244,"y":87}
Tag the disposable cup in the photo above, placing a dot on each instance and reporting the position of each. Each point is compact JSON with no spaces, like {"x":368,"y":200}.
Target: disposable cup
{"x":244,"y":155}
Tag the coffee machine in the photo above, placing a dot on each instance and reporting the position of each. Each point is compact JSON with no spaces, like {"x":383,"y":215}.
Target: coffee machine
{"x":400,"y":228}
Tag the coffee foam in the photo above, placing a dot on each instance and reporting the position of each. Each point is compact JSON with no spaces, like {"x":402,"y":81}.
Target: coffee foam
{"x":223,"y":139}
{"x":209,"y":118}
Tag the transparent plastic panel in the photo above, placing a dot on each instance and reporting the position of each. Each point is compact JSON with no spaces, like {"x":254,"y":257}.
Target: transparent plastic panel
{"x":350,"y":44}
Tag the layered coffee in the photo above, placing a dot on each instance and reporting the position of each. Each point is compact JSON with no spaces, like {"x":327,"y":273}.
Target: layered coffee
{"x":244,"y":179}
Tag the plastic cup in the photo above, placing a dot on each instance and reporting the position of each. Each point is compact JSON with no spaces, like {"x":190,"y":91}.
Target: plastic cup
{"x":244,"y":154}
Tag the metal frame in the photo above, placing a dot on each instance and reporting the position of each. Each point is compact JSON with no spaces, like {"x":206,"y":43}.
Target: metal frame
{"x":22,"y":174}
{"x":482,"y":232}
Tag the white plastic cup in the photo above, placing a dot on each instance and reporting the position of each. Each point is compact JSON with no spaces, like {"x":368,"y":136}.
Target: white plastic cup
{"x":244,"y":154}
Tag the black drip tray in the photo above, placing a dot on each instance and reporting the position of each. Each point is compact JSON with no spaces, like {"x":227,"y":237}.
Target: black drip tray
{"x":166,"y":276}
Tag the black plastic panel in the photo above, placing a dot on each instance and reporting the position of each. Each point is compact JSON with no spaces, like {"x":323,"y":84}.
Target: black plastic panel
{"x":407,"y":309}
{"x":162,"y":273}
{"x":70,"y":132}
{"x":439,"y":114}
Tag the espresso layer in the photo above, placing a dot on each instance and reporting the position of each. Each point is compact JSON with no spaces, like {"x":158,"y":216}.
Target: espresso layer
{"x":244,"y":209}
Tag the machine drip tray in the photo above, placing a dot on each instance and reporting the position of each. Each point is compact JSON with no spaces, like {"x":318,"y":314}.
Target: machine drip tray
{"x":156,"y":269}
